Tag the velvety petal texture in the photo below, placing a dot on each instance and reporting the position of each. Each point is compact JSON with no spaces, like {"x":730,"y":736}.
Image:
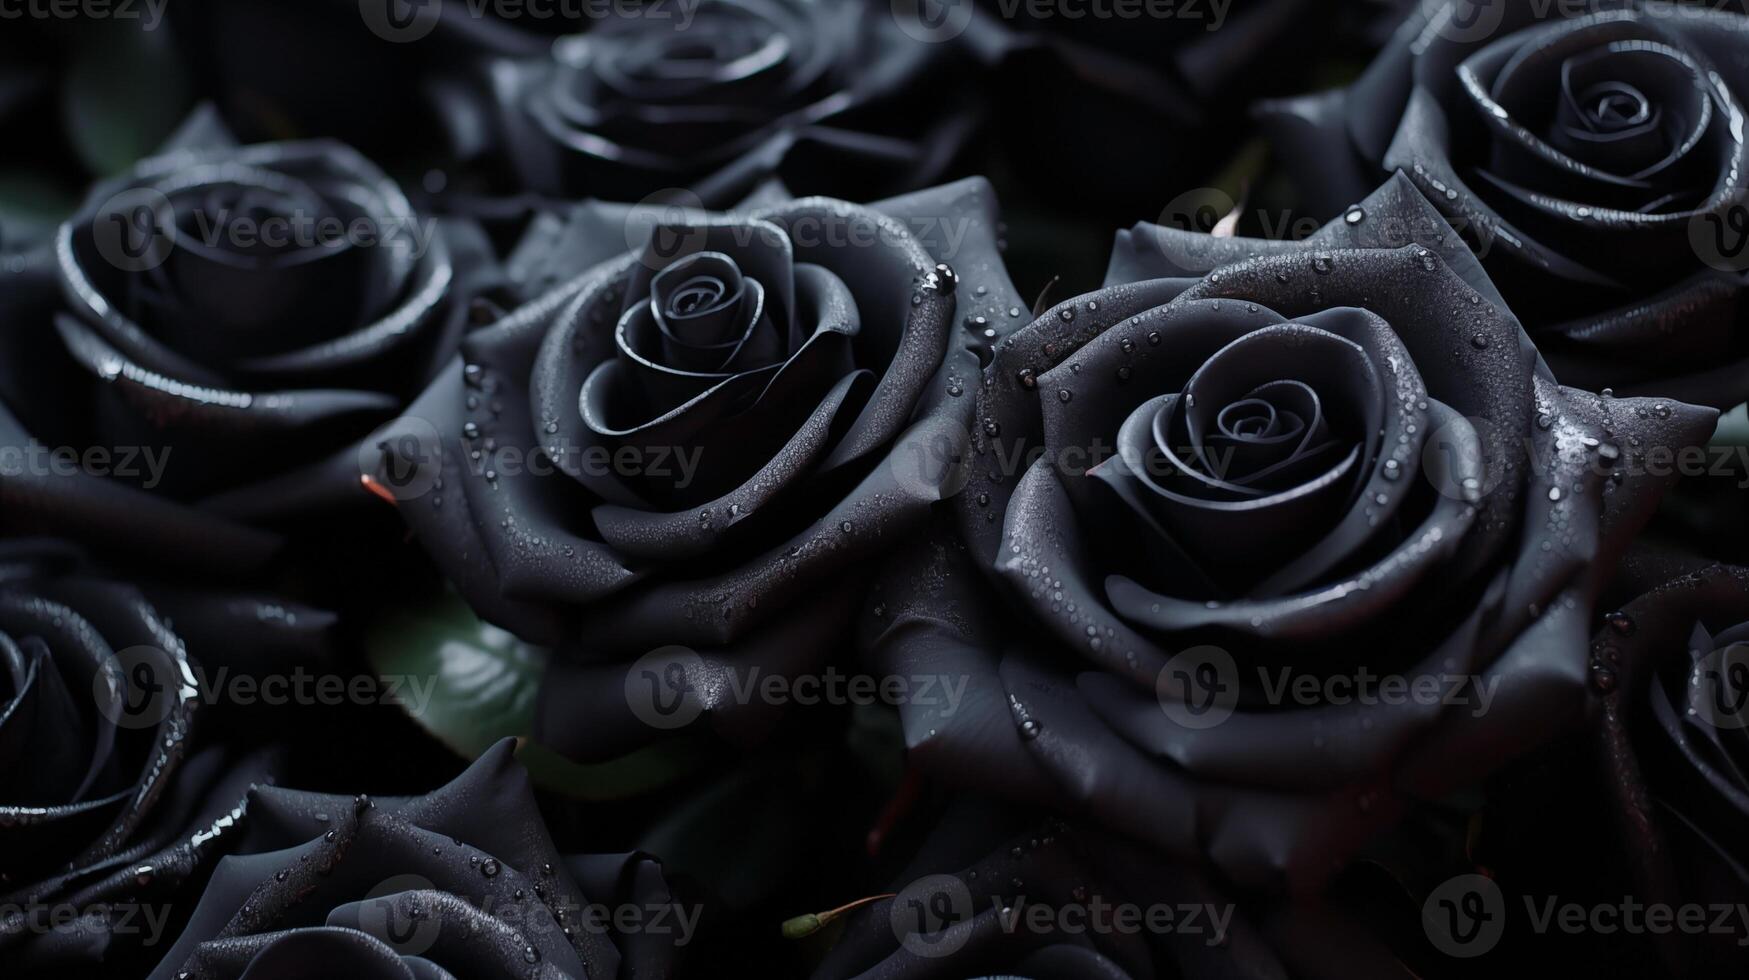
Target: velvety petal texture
{"x":1222,"y":501}
{"x":691,"y":452}
{"x":219,"y":325}
{"x":108,"y":791}
{"x":1672,"y":740}
{"x":996,"y":891}
{"x":716,"y":96}
{"x":1592,"y":154}
{"x":463,"y":882}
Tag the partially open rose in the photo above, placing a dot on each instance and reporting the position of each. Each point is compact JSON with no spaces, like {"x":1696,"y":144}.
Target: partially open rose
{"x":105,"y":781}
{"x":1229,"y":502}
{"x":702,"y":443}
{"x":718,"y":95}
{"x":997,"y":890}
{"x":231,"y":321}
{"x":463,"y":882}
{"x":1675,"y":743}
{"x":1593,"y":154}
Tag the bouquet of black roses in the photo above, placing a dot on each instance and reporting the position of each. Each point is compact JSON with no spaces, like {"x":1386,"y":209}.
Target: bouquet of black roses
{"x":865,"y":489}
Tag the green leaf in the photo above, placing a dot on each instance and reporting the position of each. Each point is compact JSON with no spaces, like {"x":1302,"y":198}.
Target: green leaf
{"x":32,"y":203}
{"x":471,"y":684}
{"x":110,"y":125}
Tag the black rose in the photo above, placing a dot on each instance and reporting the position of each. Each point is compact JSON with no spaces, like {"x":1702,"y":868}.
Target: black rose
{"x":104,"y":774}
{"x":1594,"y":156}
{"x":463,"y":882}
{"x":999,"y":891}
{"x":92,"y":734}
{"x":233,"y":320}
{"x":1215,"y":495}
{"x":715,"y":97}
{"x":1675,"y":741}
{"x":702,"y":443}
